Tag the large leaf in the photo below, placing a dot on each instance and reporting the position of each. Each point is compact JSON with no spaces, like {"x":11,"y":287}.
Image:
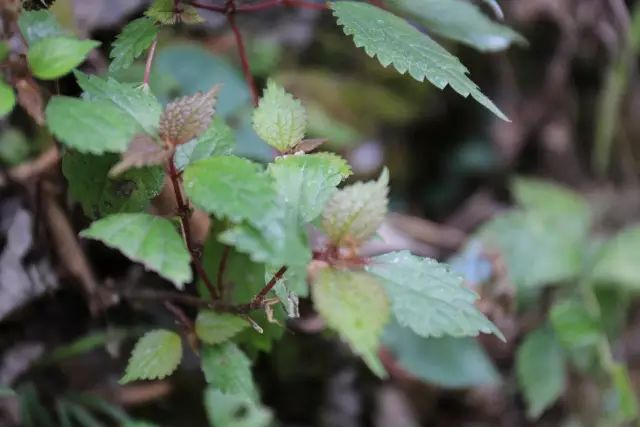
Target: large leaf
{"x":462,"y":21}
{"x":217,"y":140}
{"x":7,"y":99}
{"x":234,"y":410}
{"x":155,"y":356}
{"x":306,"y":182}
{"x":540,"y":367}
{"x":394,"y":41}
{"x":37,"y":25}
{"x":428,"y":297}
{"x":100,"y":195}
{"x":617,"y":262}
{"x":54,"y":57}
{"x":148,"y":239}
{"x":137,"y":102}
{"x":215,"y":328}
{"x":355,"y":305}
{"x":228,"y":369}
{"x":135,"y":38}
{"x":90,"y":126}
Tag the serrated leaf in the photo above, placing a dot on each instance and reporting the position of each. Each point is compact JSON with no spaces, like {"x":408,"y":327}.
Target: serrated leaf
{"x":89,"y":126}
{"x":541,"y":372}
{"x":38,"y":25}
{"x":54,"y":57}
{"x":7,"y":99}
{"x":355,"y":213}
{"x":617,"y":262}
{"x":307,"y":182}
{"x":573,"y":325}
{"x":136,"y":37}
{"x":234,"y":410}
{"x":280,"y":120}
{"x":228,"y":369}
{"x":446,"y":361}
{"x":428,"y":297}
{"x":143,"y":151}
{"x":215,"y":328}
{"x":396,"y":42}
{"x":100,"y":195}
{"x":355,"y":305}
{"x":218,"y":140}
{"x":462,"y":21}
{"x":155,"y":356}
{"x":148,"y":239}
{"x":187,"y":117}
{"x":164,"y":11}
{"x":138,"y":103}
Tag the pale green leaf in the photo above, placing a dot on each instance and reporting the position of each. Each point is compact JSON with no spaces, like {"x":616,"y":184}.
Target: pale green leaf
{"x":280,"y":120}
{"x":148,"y":239}
{"x":90,"y":126}
{"x":36,"y":25}
{"x":541,"y":371}
{"x":234,"y":410}
{"x":137,"y":102}
{"x":54,"y":57}
{"x":623,"y":399}
{"x":6,"y":392}
{"x":462,"y":21}
{"x":164,"y":11}
{"x":135,"y":38}
{"x":217,"y":140}
{"x":617,"y":262}
{"x":394,"y":41}
{"x":155,"y":356}
{"x":355,"y":305}
{"x":428,"y":297}
{"x":228,"y":369}
{"x":7,"y":99}
{"x":355,"y":212}
{"x":214,"y":328}
{"x":573,"y":325}
{"x":307,"y":182}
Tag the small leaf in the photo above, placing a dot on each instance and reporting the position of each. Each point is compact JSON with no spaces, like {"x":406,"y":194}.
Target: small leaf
{"x":280,"y":120}
{"x":155,"y":356}
{"x":143,"y":151}
{"x":307,"y":145}
{"x":7,"y":99}
{"x":228,"y":369}
{"x":165,"y":12}
{"x":307,"y":182}
{"x":357,"y":211}
{"x":215,"y":328}
{"x":89,"y":126}
{"x":428,"y":297}
{"x":217,"y":140}
{"x":148,"y":239}
{"x":187,"y":117}
{"x":54,"y":57}
{"x":540,"y":367}
{"x":617,"y":262}
{"x":394,"y":41}
{"x":355,"y":305}
{"x":234,"y":410}
{"x":573,"y":325}
{"x":135,"y":38}
{"x":38,"y":25}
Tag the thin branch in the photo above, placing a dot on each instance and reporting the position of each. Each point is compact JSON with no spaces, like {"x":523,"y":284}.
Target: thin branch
{"x":150,"y":56}
{"x":259,"y":298}
{"x":212,"y":7}
{"x":180,"y":315}
{"x":244,"y":59}
{"x":221,"y":269}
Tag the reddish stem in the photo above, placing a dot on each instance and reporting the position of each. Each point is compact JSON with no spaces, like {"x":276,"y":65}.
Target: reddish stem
{"x":150,"y":56}
{"x":244,"y":59}
{"x":259,"y":298}
{"x":212,"y":7}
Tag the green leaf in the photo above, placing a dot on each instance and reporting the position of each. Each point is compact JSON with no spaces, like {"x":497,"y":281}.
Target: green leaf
{"x":355,"y":305}
{"x":137,"y":102}
{"x":624,"y":401}
{"x":39,"y":24}
{"x":188,"y":117}
{"x":540,"y":367}
{"x":101,"y":195}
{"x":307,"y":182}
{"x":214,"y":328}
{"x":356,"y":211}
{"x":155,"y":356}
{"x":234,"y":410}
{"x":618,"y":261}
{"x":7,"y":99}
{"x":14,"y":146}
{"x":396,"y":42}
{"x":279,"y":119}
{"x":6,"y":392}
{"x":446,"y":361}
{"x":428,"y":297}
{"x":573,"y":325}
{"x":148,"y":239}
{"x":164,"y":11}
{"x":228,"y":369}
{"x":90,"y":126}
{"x":54,"y":57}
{"x":135,"y":38}
{"x":217,"y":140}
{"x":462,"y":21}
{"x":4,"y":50}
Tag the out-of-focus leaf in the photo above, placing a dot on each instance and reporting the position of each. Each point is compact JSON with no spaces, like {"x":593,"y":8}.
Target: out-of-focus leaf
{"x":135,"y":38}
{"x":617,"y":262}
{"x":188,"y":117}
{"x":4,"y":50}
{"x":573,"y":325}
{"x":156,"y":355}
{"x":215,"y":328}
{"x":54,"y":57}
{"x":228,"y":369}
{"x":165,"y":12}
{"x":7,"y":99}
{"x":234,"y":410}
{"x":38,"y":25}
{"x":6,"y":392}
{"x":217,"y":140}
{"x":622,"y":402}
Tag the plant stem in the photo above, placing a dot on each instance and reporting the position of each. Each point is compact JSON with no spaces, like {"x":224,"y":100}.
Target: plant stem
{"x":150,"y":56}
{"x":259,"y":298}
{"x":180,"y":315}
{"x":268,"y":4}
{"x":221,"y":269}
{"x":190,"y":300}
{"x":244,"y":59}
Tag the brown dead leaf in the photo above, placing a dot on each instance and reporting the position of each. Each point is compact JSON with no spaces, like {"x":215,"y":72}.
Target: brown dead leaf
{"x":143,"y":151}
{"x":30,"y":98}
